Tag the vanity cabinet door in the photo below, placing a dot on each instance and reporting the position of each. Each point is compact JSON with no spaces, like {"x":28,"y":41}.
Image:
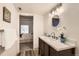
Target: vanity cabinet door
{"x":46,"y":49}
{"x":52,"y":52}
{"x":68,"y":52}
{"x":41,"y":47}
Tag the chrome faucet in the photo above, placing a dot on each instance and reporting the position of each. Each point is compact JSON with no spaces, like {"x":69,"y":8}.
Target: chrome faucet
{"x":53,"y":35}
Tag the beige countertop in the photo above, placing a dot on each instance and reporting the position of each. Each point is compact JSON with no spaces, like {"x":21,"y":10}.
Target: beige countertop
{"x":56,"y":44}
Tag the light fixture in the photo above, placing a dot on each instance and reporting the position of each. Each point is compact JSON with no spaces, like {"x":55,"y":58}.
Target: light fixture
{"x":53,"y":12}
{"x":61,"y":10}
{"x":56,"y":10}
{"x":49,"y":14}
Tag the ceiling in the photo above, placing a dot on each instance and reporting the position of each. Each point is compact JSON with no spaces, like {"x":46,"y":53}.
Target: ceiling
{"x":36,"y":8}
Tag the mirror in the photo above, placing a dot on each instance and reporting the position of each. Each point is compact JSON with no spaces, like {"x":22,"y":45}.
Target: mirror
{"x":55,"y":21}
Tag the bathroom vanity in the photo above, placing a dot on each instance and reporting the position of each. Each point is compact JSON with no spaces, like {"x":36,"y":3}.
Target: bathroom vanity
{"x":51,"y":47}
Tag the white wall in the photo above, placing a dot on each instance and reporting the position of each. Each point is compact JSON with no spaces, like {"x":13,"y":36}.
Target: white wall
{"x":11,"y":30}
{"x":48,"y":28}
{"x":37,"y":27}
{"x":12,"y":51}
{"x":70,"y":19}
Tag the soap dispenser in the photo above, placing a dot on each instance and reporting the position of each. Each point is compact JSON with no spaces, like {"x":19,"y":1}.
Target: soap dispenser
{"x":62,"y":38}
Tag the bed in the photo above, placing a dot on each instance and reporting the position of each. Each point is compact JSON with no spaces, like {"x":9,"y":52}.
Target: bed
{"x":26,"y":38}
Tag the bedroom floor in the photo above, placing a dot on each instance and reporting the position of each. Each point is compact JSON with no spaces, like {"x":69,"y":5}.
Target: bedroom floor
{"x":25,"y":47}
{"x":1,"y":49}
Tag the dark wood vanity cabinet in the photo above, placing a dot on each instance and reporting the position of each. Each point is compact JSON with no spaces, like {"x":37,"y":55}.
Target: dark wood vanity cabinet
{"x":43,"y":48}
{"x":68,"y":52}
{"x":46,"y":50}
{"x":41,"y":45}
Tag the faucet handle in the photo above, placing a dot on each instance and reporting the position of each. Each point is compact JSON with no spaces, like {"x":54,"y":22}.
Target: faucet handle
{"x":53,"y":33}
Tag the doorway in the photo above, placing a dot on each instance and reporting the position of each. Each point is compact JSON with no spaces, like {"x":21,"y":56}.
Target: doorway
{"x":26,"y":33}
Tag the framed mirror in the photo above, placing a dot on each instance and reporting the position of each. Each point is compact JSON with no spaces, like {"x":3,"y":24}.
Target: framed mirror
{"x":55,"y":21}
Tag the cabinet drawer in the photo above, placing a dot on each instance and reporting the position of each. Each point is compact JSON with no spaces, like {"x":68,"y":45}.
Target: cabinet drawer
{"x":68,"y":52}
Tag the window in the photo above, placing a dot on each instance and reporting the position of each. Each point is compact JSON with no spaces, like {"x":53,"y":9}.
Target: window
{"x":24,"y":29}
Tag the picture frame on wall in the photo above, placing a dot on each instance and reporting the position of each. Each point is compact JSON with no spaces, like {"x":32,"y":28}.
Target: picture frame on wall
{"x":6,"y":15}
